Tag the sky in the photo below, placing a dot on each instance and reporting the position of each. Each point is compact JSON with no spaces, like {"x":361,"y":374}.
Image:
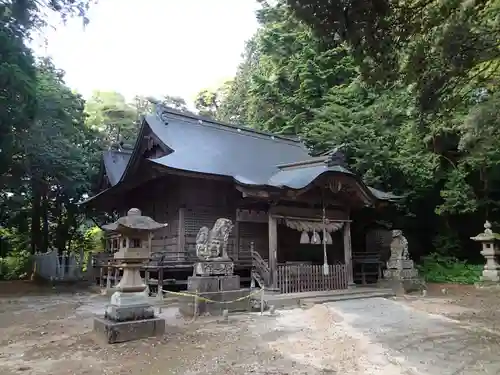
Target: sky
{"x":152,"y":47}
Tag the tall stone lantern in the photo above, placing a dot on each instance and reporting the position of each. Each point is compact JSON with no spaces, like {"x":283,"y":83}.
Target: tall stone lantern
{"x":490,"y":251}
{"x":129,"y":315}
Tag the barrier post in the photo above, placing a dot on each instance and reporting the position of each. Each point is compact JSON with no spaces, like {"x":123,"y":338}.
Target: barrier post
{"x":195,"y":310}
{"x":261,"y":301}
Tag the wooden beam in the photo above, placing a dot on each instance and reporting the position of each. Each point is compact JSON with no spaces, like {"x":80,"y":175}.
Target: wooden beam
{"x":348,"y":254}
{"x":273,"y":251}
{"x":251,"y":216}
{"x":236,"y":230}
{"x":335,"y":214}
{"x":181,"y":230}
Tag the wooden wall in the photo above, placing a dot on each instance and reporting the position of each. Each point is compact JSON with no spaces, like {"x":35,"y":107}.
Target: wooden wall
{"x":160,"y":199}
{"x":188,"y":203}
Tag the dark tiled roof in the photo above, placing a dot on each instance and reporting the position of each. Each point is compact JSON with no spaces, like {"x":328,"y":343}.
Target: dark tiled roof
{"x":250,"y":157}
{"x":115,"y":163}
{"x":299,"y":178}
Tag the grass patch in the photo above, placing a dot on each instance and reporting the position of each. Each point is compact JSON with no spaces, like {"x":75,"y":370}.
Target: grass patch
{"x":437,"y":268}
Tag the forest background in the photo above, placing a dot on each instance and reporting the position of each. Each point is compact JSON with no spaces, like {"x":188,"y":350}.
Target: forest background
{"x":410,"y":88}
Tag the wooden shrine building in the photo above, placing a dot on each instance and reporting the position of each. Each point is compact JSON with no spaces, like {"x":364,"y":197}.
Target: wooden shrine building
{"x":292,"y":213}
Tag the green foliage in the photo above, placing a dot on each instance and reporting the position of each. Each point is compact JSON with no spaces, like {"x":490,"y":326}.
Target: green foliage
{"x":442,"y":49}
{"x":410,"y":89}
{"x":437,"y":268}
{"x":93,"y":240}
{"x":15,"y":266}
{"x":15,"y":259}
{"x":113,"y":117}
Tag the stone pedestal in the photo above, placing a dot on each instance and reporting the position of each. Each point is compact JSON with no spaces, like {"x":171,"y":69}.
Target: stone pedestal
{"x":113,"y":332}
{"x":129,"y":316}
{"x":214,"y":268}
{"x":216,"y":288}
{"x":401,"y":275}
{"x":213,"y":277}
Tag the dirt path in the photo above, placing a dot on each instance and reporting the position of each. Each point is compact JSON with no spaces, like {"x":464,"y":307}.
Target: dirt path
{"x":52,"y":334}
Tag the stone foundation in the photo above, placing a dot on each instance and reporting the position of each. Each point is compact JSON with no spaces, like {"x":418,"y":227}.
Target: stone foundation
{"x":403,"y":286}
{"x":491,"y":276}
{"x":215,"y":288}
{"x":214,"y":268}
{"x":113,"y":332}
{"x":129,"y":313}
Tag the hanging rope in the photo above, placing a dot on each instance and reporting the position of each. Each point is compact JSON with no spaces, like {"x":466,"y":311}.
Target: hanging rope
{"x":313,"y":226}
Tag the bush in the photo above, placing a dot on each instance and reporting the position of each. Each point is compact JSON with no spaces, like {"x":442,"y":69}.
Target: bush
{"x":437,"y":268}
{"x":15,"y":266}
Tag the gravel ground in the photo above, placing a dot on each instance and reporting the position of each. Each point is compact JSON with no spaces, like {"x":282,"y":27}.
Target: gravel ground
{"x":420,"y":342}
{"x":51,"y":333}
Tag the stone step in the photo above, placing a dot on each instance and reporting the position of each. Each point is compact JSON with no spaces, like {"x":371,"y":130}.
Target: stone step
{"x":318,"y":300}
{"x":298,"y":299}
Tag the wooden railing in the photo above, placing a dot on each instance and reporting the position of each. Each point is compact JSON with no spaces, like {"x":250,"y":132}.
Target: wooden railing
{"x":310,"y":278}
{"x":260,"y":269}
{"x":368,"y":266}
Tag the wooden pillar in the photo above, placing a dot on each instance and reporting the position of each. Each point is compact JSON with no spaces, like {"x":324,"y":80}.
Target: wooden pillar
{"x":181,"y":235}
{"x":150,"y":242}
{"x":236,"y":231}
{"x":273,"y":251}
{"x":348,"y":254}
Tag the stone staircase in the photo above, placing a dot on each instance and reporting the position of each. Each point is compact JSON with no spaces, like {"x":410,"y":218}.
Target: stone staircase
{"x":260,"y":270}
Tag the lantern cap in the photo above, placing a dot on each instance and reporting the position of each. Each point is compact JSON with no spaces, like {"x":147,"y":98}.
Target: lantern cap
{"x":134,"y":220}
{"x":488,"y":235}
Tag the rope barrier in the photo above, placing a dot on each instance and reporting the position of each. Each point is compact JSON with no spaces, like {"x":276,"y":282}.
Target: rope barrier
{"x":194,"y":295}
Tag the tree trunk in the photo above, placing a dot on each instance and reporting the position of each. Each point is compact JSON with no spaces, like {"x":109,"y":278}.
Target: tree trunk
{"x":60,"y":240}
{"x":36,"y":239}
{"x":45,"y":223}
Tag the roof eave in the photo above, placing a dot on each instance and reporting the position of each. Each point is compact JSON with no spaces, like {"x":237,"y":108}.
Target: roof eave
{"x":371,"y":193}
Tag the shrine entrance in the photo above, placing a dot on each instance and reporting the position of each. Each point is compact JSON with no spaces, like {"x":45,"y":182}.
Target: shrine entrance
{"x":309,"y":253}
{"x":301,"y":265}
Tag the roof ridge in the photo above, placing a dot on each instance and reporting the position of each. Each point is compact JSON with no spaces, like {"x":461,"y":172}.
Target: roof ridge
{"x":169,"y":110}
{"x":122,"y":151}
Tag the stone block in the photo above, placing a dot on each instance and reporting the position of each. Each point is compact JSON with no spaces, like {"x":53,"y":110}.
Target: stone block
{"x":229,"y":282}
{"x":187,"y":305}
{"x":203,"y":284}
{"x":402,"y":286}
{"x":114,"y":332}
{"x":400,"y":274}
{"x":129,"y":313}
{"x":491,"y":275}
{"x":400,"y":264}
{"x":219,"y":289}
{"x":235,"y":301}
{"x":214,"y":268}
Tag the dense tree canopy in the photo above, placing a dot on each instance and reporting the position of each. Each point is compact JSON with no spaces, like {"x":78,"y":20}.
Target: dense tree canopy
{"x":410,"y":88}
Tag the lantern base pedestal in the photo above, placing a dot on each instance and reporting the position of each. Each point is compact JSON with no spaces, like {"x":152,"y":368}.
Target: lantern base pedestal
{"x":113,"y":332}
{"x":492,"y":276}
{"x":128,"y":317}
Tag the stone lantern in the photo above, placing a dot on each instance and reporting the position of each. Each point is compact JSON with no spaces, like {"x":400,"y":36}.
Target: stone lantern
{"x":491,"y":252}
{"x":129,"y":315}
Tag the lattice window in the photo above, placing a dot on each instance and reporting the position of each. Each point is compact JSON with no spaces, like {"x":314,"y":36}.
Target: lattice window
{"x":194,"y":219}
{"x":253,"y":230}
{"x":256,"y":233}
